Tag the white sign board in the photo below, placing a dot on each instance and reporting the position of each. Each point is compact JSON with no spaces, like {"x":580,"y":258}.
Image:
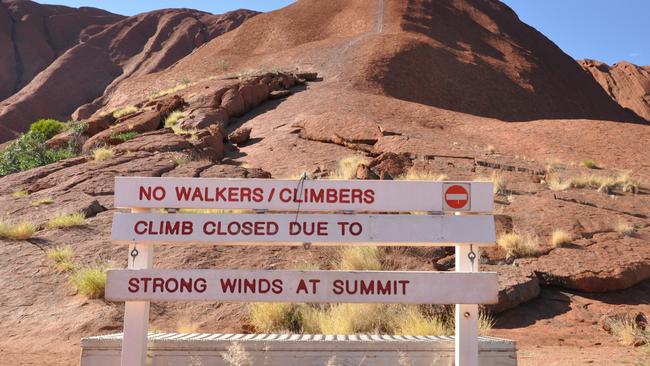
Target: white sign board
{"x":296,"y":229}
{"x":303,"y":286}
{"x":294,"y":195}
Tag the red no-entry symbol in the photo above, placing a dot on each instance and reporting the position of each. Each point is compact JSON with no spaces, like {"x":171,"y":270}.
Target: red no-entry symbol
{"x":456,"y":197}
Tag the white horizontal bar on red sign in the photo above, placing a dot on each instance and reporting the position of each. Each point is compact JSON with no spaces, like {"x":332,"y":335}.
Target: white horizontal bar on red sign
{"x":307,"y":195}
{"x":303,"y":286}
{"x":296,"y":229}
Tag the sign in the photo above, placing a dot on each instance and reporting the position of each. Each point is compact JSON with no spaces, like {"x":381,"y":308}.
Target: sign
{"x":303,"y":286}
{"x":457,"y":197}
{"x":296,"y":229}
{"x":294,"y":195}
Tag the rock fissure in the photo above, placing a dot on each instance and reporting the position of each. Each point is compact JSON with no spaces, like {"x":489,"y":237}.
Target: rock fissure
{"x":591,"y":204}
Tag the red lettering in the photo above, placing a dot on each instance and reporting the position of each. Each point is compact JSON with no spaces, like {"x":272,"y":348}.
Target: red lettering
{"x":277,"y":286}
{"x":337,"y":287}
{"x":134,"y":285}
{"x":157,"y":283}
{"x":139,"y":229}
{"x":258,"y":195}
{"x":369,"y":196}
{"x":285,"y":195}
{"x":302,"y":286}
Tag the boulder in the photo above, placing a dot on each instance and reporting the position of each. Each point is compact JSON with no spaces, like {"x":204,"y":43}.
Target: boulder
{"x":240,"y":136}
{"x":155,"y":141}
{"x":233,"y":102}
{"x":287,"y":80}
{"x":365,"y":173}
{"x":189,"y":169}
{"x":168,"y":105}
{"x":98,"y":124}
{"x":141,"y":123}
{"x":205,"y":117}
{"x":61,"y":140}
{"x":84,"y":112}
{"x":233,"y":171}
{"x":391,"y":163}
{"x":517,"y":285}
{"x":254,"y":94}
{"x":611,"y":263}
{"x":209,"y":145}
{"x":209,"y":99}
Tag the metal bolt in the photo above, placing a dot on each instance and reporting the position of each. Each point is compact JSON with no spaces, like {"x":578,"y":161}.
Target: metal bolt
{"x":466,"y":314}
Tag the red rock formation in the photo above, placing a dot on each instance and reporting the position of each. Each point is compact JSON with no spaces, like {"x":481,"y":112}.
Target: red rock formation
{"x":626,"y":83}
{"x":135,"y":46}
{"x":32,"y":36}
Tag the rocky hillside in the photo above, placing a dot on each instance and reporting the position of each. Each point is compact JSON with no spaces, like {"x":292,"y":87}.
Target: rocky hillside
{"x":32,"y":36}
{"x":401,"y":89}
{"x":626,"y":83}
{"x":98,"y":61}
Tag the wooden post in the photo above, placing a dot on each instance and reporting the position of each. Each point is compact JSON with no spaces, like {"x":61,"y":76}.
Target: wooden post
{"x":136,"y":313}
{"x":466,"y":314}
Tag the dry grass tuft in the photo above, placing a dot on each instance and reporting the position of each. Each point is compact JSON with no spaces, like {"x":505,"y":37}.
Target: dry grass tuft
{"x":414,"y":174}
{"x":21,"y":231}
{"x":173,"y":118}
{"x":553,"y":165}
{"x":519,"y":245}
{"x":62,"y":221}
{"x":175,"y":89}
{"x":125,"y":111}
{"x":354,"y":318}
{"x":269,"y":317}
{"x":485,"y":323}
{"x":623,"y":182}
{"x":63,"y":258}
{"x":589,"y":164}
{"x":628,"y":333}
{"x":500,"y":186}
{"x":42,"y":201}
{"x":20,"y":193}
{"x":103,"y":153}
{"x":90,"y":281}
{"x":560,"y":238}
{"x":625,"y":228}
{"x":413,"y":322}
{"x":360,"y":258}
{"x":347,"y":167}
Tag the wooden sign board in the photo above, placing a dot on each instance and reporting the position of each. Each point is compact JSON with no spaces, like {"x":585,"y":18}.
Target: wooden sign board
{"x":303,"y":286}
{"x":296,"y":229}
{"x":306,"y":195}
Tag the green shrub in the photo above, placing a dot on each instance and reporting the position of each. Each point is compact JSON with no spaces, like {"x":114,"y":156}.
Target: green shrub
{"x":90,"y":281}
{"x":125,"y":136}
{"x":78,"y":127}
{"x":30,"y":151}
{"x":48,"y":127}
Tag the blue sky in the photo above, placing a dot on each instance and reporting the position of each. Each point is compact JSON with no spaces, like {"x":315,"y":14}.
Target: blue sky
{"x":607,"y":30}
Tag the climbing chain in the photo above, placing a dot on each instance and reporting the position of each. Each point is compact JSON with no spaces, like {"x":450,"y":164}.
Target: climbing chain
{"x":134,"y":253}
{"x":471,"y":255}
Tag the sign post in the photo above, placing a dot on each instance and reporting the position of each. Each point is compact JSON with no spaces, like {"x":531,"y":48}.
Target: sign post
{"x":311,"y":204}
{"x":136,"y":313}
{"x":466,"y":315}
